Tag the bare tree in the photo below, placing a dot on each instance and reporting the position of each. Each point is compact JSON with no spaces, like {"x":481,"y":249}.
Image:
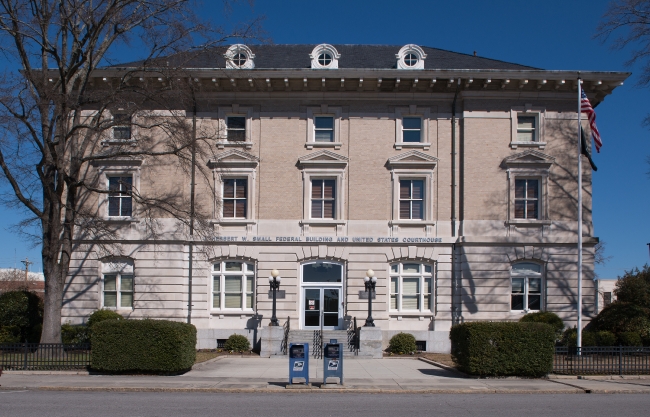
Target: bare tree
{"x":55,"y":118}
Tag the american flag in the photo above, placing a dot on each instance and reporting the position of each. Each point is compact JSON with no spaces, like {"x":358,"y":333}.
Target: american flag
{"x":585,"y":107}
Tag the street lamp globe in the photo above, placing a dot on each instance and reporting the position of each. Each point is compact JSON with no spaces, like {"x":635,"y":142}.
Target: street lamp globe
{"x":275,"y":273}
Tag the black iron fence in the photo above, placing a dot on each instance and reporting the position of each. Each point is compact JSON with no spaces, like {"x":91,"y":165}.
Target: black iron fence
{"x":602,"y":360}
{"x":44,"y":356}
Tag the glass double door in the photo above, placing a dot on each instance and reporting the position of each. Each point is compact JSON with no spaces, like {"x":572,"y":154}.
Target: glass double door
{"x":322,"y":304}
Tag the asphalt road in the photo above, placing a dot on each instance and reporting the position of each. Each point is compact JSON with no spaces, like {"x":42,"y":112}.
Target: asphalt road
{"x":145,"y":404}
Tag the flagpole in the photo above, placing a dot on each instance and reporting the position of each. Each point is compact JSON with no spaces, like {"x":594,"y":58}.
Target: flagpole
{"x":579,"y":341}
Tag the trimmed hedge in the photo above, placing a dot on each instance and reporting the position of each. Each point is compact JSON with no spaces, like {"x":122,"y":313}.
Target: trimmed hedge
{"x":545,"y":317}
{"x":402,"y":343}
{"x":102,"y":315}
{"x":143,"y":346}
{"x":237,"y":343}
{"x":503,"y":349}
{"x":75,"y":334}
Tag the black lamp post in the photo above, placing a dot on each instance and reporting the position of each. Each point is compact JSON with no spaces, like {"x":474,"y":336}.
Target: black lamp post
{"x":370,"y":281}
{"x":274,"y":282}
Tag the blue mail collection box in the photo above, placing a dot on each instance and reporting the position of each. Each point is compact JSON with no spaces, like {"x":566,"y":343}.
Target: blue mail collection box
{"x":333,"y":361}
{"x":299,"y":361}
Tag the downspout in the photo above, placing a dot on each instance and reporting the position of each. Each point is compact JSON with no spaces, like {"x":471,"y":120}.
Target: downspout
{"x":191,"y":240}
{"x":455,"y":290}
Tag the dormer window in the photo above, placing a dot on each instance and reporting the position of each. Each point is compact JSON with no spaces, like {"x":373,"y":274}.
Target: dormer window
{"x":324,"y":56}
{"x":239,"y":56}
{"x":410,"y":57}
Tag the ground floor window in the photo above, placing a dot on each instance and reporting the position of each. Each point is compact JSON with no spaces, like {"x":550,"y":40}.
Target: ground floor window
{"x":232,"y":285}
{"x":118,"y":290}
{"x":411,"y":286}
{"x":526,"y":280}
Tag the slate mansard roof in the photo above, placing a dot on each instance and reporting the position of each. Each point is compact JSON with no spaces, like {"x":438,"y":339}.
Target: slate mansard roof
{"x":352,"y":57}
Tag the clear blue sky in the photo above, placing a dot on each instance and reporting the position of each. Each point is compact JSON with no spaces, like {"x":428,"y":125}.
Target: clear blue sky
{"x":551,"y":35}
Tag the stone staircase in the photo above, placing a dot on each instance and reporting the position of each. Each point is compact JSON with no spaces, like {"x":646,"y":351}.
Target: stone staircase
{"x":307,"y":336}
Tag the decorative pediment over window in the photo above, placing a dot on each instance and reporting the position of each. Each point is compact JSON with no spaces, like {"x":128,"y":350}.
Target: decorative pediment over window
{"x":234,"y":158}
{"x":529,"y":159}
{"x":323,"y":159}
{"x":412,"y":159}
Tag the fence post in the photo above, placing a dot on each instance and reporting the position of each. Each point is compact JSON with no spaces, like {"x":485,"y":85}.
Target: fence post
{"x":620,"y":359}
{"x":25,"y":362}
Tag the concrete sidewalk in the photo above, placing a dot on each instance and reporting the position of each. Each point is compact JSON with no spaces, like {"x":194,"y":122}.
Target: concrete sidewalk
{"x":254,"y":374}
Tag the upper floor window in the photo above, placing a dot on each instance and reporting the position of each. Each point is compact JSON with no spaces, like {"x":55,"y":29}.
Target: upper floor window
{"x":233,"y":285}
{"x":526,"y":280}
{"x":236,"y":128}
{"x":324,"y":129}
{"x":526,"y":199}
{"x":411,"y":129}
{"x":323,"y":199}
{"x":526,"y":128}
{"x":410,"y":57}
{"x":120,"y":200}
{"x":411,"y":199}
{"x":235,"y":196}
{"x":239,"y":56}
{"x":411,"y":287}
{"x":121,"y":126}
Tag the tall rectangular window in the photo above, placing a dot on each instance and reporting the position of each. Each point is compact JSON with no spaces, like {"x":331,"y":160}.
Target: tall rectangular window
{"x":235,"y":192}
{"x":236,"y":128}
{"x":120,"y":203}
{"x":233,"y":285}
{"x":526,"y":285}
{"x":526,"y":128}
{"x":323,"y":199}
{"x":323,"y":129}
{"x":121,"y":126}
{"x":526,"y":199}
{"x":411,"y":287}
{"x":411,"y":129}
{"x":411,"y":199}
{"x":118,"y":290}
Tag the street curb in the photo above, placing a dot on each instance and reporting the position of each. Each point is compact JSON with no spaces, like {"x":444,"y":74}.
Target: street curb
{"x":304,"y":390}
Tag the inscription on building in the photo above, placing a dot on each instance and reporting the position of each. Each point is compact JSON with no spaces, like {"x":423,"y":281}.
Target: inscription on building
{"x":328,"y":239}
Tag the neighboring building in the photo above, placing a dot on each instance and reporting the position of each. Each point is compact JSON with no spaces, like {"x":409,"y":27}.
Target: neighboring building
{"x":604,"y":292}
{"x":14,"y":279}
{"x":452,"y":176}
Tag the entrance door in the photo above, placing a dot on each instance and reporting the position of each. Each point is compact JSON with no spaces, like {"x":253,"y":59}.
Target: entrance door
{"x":322,"y":304}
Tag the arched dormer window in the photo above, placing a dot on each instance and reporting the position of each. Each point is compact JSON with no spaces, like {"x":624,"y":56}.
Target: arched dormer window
{"x":410,"y":57}
{"x":239,"y":56}
{"x":324,"y":56}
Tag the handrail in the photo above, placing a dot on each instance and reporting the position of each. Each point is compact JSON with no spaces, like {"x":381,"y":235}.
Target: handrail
{"x":285,"y":340}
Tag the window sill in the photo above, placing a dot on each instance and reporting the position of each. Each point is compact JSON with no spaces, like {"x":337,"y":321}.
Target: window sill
{"x":115,"y":142}
{"x":425,"y":146}
{"x":120,"y":219}
{"x":232,"y":313}
{"x":528,"y":223}
{"x":232,"y":222}
{"x":312,"y":145}
{"x":411,"y":223}
{"x":119,"y":309}
{"x":320,"y":222}
{"x":234,"y":144}
{"x":410,"y":314}
{"x":540,"y":145}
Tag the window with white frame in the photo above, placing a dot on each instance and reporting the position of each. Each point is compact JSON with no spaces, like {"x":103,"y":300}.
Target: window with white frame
{"x":121,"y":126}
{"x":410,"y":57}
{"x":324,"y":129}
{"x":233,"y":285}
{"x":526,"y":284}
{"x":236,"y":128}
{"x":526,"y":128}
{"x":120,"y":200}
{"x":239,"y":56}
{"x":412,"y":129}
{"x":526,"y":198}
{"x":235,"y":198}
{"x":323,"y":198}
{"x":411,"y":199}
{"x":324,"y":56}
{"x":411,"y":287}
{"x":117,"y":284}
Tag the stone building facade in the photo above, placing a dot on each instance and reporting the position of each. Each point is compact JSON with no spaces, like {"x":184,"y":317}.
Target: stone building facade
{"x":451,"y":176}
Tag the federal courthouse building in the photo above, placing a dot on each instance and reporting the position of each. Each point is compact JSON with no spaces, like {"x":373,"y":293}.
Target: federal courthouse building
{"x":453,"y":177}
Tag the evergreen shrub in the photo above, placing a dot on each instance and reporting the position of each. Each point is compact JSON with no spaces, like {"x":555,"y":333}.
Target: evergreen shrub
{"x":72,"y":334}
{"x":545,"y":317}
{"x":237,"y":343}
{"x":143,"y":346}
{"x":630,"y":339}
{"x":402,"y":343}
{"x":102,"y":315}
{"x":503,"y":348}
{"x":21,"y":317}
